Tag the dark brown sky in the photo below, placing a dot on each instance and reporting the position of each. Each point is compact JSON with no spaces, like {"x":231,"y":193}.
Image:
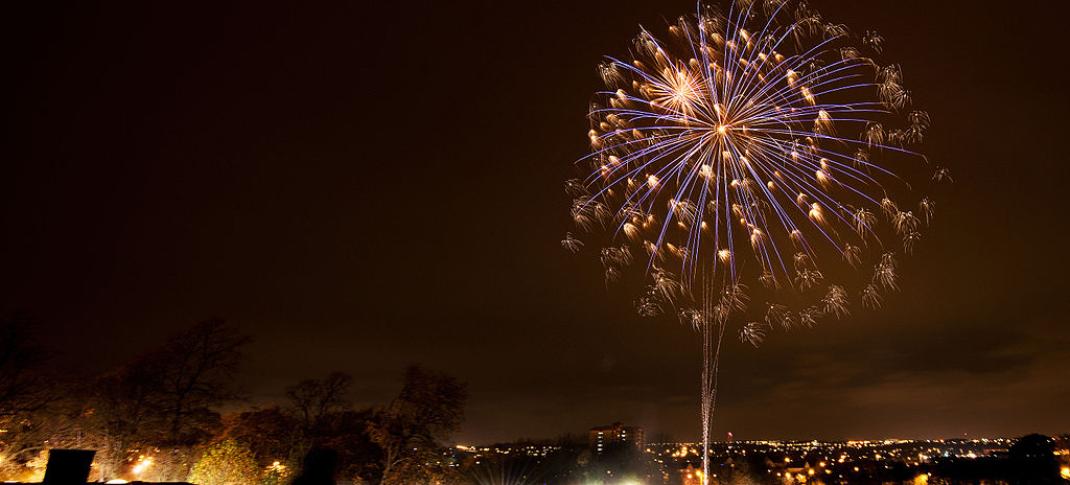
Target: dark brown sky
{"x":360,"y":187}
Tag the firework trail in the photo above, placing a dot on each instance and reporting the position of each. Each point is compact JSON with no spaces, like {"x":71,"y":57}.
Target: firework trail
{"x":757,"y":153}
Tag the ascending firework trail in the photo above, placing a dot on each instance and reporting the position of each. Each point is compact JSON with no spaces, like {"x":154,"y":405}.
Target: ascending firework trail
{"x":754,"y":153}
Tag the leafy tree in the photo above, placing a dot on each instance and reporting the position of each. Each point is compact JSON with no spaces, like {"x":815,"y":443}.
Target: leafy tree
{"x":226,"y":463}
{"x":272,"y":434}
{"x":277,"y":474}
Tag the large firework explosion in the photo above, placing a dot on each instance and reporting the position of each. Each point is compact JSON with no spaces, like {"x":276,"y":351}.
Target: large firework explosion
{"x":759,"y":167}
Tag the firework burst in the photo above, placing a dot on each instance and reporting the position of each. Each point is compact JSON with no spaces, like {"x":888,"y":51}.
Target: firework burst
{"x":756,"y":152}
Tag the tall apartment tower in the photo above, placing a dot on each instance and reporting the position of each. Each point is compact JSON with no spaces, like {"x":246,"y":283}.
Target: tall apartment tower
{"x":601,"y":438}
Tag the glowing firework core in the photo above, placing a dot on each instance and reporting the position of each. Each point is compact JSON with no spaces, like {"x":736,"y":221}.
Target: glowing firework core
{"x":760,"y":126}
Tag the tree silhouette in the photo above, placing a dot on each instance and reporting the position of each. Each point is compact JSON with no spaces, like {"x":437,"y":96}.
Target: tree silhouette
{"x":23,"y":386}
{"x":272,"y":434}
{"x":29,"y":398}
{"x":1032,"y":460}
{"x":428,"y":409}
{"x":122,"y":408}
{"x":196,"y":369}
{"x":167,"y":397}
{"x":226,"y":463}
{"x":315,"y":399}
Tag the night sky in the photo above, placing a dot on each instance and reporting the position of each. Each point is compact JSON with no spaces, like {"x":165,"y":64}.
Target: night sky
{"x":362,"y":187}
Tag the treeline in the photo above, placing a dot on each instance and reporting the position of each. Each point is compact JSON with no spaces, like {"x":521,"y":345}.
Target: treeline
{"x":158,"y":417}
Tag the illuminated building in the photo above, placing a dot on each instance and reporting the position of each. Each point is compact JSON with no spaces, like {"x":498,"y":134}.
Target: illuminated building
{"x":602,"y":437}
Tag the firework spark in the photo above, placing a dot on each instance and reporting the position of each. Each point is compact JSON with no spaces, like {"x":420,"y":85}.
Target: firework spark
{"x":748,"y":155}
